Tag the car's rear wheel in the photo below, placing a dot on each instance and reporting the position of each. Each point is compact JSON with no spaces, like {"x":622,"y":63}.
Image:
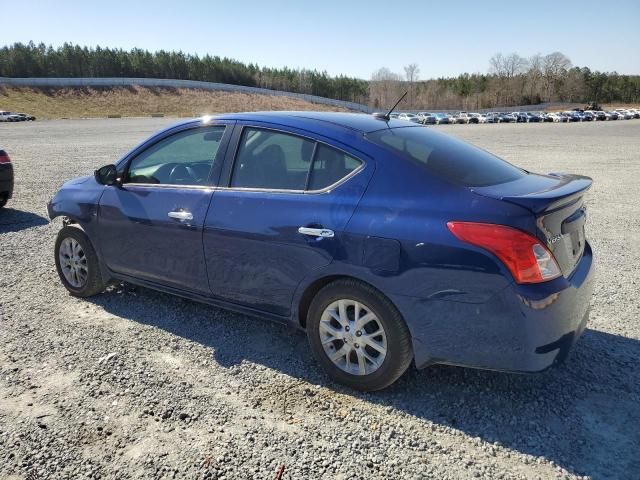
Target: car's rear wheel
{"x":4,"y":198}
{"x":358,"y":336}
{"x":77,"y":263}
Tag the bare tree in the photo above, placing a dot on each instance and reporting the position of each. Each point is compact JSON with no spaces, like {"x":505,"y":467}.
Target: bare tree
{"x":534,"y":77}
{"x":554,"y":67}
{"x":384,"y":87}
{"x":412,"y":72}
{"x":507,"y":68}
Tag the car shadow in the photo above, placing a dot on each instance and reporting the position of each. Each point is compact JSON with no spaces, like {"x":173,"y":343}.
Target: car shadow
{"x":12,"y":220}
{"x":584,"y":415}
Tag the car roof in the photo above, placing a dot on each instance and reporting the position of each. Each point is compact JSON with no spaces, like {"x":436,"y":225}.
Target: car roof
{"x":359,"y":122}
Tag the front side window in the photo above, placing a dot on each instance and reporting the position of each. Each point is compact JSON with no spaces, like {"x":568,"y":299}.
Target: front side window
{"x":185,"y":158}
{"x":269,"y":159}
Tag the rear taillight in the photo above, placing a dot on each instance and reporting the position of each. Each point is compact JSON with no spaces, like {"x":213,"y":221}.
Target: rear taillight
{"x":4,"y":158}
{"x":528,"y":260}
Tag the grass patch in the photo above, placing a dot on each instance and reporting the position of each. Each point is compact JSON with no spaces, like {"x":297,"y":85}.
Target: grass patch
{"x":140,"y":101}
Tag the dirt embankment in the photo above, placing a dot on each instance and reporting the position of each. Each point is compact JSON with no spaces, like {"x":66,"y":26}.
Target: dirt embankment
{"x":140,"y":101}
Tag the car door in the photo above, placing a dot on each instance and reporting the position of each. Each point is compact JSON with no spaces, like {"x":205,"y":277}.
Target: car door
{"x":281,"y":214}
{"x":150,"y":226}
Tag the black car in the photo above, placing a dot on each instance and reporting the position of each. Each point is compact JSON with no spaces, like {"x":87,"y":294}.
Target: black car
{"x":521,"y":117}
{"x":6,"y":178}
{"x":534,"y":117}
{"x":429,"y":119}
{"x":506,"y":118}
{"x":573,"y":116}
{"x":588,"y":117}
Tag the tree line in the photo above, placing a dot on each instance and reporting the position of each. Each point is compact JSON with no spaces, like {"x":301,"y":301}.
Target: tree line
{"x":511,"y":79}
{"x":68,"y":60}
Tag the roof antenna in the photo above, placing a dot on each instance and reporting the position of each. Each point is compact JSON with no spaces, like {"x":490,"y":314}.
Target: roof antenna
{"x":386,"y":117}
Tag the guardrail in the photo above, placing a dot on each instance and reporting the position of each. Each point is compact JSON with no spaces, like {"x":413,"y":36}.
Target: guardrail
{"x":226,"y":87}
{"x":171,"y":83}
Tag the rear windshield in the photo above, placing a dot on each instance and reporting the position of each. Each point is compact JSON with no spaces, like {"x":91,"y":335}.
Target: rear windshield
{"x":451,"y":159}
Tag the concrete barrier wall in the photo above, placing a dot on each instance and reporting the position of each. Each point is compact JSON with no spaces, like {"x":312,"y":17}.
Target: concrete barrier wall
{"x":170,"y":83}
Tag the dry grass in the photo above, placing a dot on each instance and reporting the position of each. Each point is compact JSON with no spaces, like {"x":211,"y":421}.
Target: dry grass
{"x":140,"y":101}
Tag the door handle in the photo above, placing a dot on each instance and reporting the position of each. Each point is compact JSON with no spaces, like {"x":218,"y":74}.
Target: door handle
{"x":316,"y":232}
{"x":180,"y":215}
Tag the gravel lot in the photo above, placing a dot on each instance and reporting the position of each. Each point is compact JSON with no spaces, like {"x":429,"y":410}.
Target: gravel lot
{"x":137,"y":384}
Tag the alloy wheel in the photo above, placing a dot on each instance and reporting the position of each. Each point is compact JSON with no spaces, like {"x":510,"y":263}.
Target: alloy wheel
{"x":353,"y":337}
{"x":73,"y":262}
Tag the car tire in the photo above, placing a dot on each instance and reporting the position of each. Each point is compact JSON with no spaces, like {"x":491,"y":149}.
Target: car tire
{"x":75,"y":253}
{"x":380,"y":369}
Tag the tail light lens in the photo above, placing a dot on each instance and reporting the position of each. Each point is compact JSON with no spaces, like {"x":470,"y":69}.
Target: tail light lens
{"x":4,"y":158}
{"x":528,"y":260}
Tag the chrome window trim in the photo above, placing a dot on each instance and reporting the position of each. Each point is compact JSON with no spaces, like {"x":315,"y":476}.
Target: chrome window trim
{"x":168,"y":185}
{"x":284,"y":190}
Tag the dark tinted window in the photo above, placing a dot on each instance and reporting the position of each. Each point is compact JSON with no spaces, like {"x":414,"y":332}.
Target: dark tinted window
{"x":269,"y":159}
{"x":185,"y":158}
{"x":330,"y":166}
{"x":447,"y":157}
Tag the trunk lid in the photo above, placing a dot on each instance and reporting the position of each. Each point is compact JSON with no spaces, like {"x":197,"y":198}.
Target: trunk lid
{"x":557,"y":201}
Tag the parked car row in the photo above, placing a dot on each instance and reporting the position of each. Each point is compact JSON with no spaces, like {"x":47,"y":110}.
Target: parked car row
{"x":15,"y":117}
{"x":577,"y":115}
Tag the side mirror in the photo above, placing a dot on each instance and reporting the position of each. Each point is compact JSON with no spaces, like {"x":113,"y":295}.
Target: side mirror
{"x":107,"y":175}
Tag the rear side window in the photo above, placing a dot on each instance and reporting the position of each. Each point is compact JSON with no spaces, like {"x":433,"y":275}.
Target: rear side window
{"x":330,"y":166}
{"x":268,"y":159}
{"x":451,"y":159}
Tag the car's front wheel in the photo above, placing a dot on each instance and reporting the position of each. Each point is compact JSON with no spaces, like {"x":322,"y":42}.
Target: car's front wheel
{"x":77,"y":263}
{"x":358,"y":336}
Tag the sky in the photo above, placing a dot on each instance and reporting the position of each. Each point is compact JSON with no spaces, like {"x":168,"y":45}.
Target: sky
{"x":353,"y":38}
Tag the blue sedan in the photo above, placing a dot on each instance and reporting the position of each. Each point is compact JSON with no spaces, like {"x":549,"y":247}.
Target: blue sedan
{"x":388,"y":243}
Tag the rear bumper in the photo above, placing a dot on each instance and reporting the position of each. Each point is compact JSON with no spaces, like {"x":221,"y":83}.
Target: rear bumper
{"x":6,"y":179}
{"x":523,"y":328}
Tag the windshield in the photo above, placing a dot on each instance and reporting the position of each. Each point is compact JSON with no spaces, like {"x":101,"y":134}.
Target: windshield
{"x":451,"y":159}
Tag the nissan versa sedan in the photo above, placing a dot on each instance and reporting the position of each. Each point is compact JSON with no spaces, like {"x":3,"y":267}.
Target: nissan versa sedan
{"x":388,"y":243}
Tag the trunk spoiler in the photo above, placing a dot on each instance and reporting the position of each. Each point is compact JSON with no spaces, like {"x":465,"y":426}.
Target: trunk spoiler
{"x":548,"y":192}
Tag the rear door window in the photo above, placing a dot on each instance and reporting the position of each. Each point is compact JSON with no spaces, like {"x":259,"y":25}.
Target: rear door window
{"x":451,"y":159}
{"x":272,"y":160}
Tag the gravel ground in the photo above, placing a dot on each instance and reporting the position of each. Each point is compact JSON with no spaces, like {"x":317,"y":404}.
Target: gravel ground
{"x":138,"y":384}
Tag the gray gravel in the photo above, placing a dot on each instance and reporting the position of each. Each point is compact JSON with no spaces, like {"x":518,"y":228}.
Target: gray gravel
{"x":137,"y":384}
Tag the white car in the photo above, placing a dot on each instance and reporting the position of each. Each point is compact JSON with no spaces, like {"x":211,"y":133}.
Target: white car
{"x":409,"y":117}
{"x":9,"y":117}
{"x":462,"y":117}
{"x":624,"y":114}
